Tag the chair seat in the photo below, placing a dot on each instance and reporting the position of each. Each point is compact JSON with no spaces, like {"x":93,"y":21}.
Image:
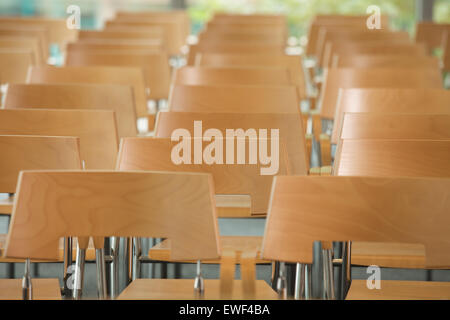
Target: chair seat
{"x":390,"y":255}
{"x":6,"y":205}
{"x":400,"y":290}
{"x":183,"y":289}
{"x":43,"y":289}
{"x":90,"y":252}
{"x":162,"y":250}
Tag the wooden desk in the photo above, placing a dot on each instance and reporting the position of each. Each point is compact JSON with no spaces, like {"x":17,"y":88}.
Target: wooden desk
{"x":162,"y":250}
{"x":43,"y":289}
{"x":400,"y":290}
{"x":183,"y":289}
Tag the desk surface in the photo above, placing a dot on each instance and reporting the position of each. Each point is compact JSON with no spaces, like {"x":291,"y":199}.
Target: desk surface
{"x":43,"y":289}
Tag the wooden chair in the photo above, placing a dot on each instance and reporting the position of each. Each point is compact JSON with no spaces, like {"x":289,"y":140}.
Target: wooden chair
{"x":394,"y":210}
{"x":95,"y":128}
{"x":234,"y":99}
{"x":446,"y":53}
{"x":153,"y":34}
{"x":431,"y":33}
{"x":235,"y":48}
{"x":27,"y":43}
{"x":386,"y":100}
{"x":155,"y":66}
{"x":116,"y":45}
{"x":232,"y":76}
{"x":14,"y":64}
{"x":40,"y":33}
{"x":292,"y":62}
{"x":290,"y":132}
{"x":334,"y":50}
{"x":118,"y":98}
{"x":229,"y":18}
{"x":95,"y":74}
{"x":343,"y":78}
{"x":212,"y":37}
{"x":385,"y":61}
{"x":349,"y":35}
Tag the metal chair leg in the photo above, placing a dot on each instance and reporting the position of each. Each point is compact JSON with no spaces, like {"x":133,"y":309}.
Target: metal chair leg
{"x":328,"y":274}
{"x":68,"y":261}
{"x":27,"y":287}
{"x":114,"y":267}
{"x":79,"y":274}
{"x":346,"y":269}
{"x":281,"y":282}
{"x":137,"y":252}
{"x":199,"y":285}
{"x":101,"y":273}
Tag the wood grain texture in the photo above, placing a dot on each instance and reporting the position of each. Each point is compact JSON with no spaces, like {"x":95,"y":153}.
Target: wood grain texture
{"x":43,"y":289}
{"x":234,"y":99}
{"x":400,"y":290}
{"x":229,"y":179}
{"x":396,"y":126}
{"x":118,"y":98}
{"x":398,"y":210}
{"x":30,"y":43}
{"x":431,"y":33}
{"x":50,"y":205}
{"x":41,"y":33}
{"x":446,"y":54}
{"x":238,"y":244}
{"x":227,"y":271}
{"x":344,"y":78}
{"x":386,"y":61}
{"x":218,"y":36}
{"x":35,"y":153}
{"x":292,"y":62}
{"x":113,"y":44}
{"x":14,"y":64}
{"x":95,"y":75}
{"x":154,"y":65}
{"x":183,"y":289}
{"x":6,"y":205}
{"x":96,"y":130}
{"x":412,"y":158}
{"x":389,"y":100}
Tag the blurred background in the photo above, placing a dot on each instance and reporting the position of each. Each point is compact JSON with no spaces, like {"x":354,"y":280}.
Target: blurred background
{"x":403,"y":13}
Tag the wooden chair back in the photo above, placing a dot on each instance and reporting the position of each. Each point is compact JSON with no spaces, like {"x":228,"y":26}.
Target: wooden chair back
{"x":289,"y":126}
{"x":214,"y":37}
{"x":116,"y":45}
{"x":385,"y":61}
{"x":343,"y":78}
{"x":124,"y":34}
{"x":14,"y":64}
{"x":232,"y":76}
{"x":96,"y":130}
{"x":234,"y":99}
{"x":446,"y":53}
{"x":28,"y":31}
{"x":35,"y":153}
{"x":27,"y":43}
{"x":400,"y":210}
{"x":431,"y":33}
{"x":118,"y":98}
{"x":108,"y":203}
{"x":154,"y":154}
{"x":386,"y":100}
{"x":292,"y":62}
{"x":154,"y":65}
{"x":393,"y":157}
{"x":96,"y":75}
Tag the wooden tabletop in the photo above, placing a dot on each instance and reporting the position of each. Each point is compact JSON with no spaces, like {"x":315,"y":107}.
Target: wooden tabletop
{"x":240,"y":244}
{"x":400,"y":290}
{"x":43,"y":289}
{"x":183,"y":289}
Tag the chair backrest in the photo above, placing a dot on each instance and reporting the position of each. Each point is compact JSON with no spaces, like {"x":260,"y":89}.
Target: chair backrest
{"x":95,"y":74}
{"x":334,"y":50}
{"x":28,"y":31}
{"x":116,"y":45}
{"x":431,"y":33}
{"x":349,"y":35}
{"x":95,"y":128}
{"x":153,"y":33}
{"x":386,"y":61}
{"x":446,"y":53}
{"x":109,"y":203}
{"x":211,"y":36}
{"x":232,"y":76}
{"x":35,"y":153}
{"x":393,"y":158}
{"x":14,"y":64}
{"x":230,"y":18}
{"x":401,"y":210}
{"x":118,"y":98}
{"x":395,"y":126}
{"x":30,"y":43}
{"x":289,"y":126}
{"x":234,"y":99}
{"x":292,"y":62}
{"x":155,"y":154}
{"x":155,"y":66}
{"x":234,"y":48}
{"x":343,"y":78}
{"x":386,"y":100}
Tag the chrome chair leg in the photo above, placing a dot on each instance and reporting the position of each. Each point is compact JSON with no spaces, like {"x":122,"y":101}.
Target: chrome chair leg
{"x":281,"y":282}
{"x":346,"y":270}
{"x":101,"y":273}
{"x":328,"y":274}
{"x":114,"y":268}
{"x":299,"y":281}
{"x":79,"y":274}
{"x":27,"y":287}
{"x":199,"y":285}
{"x":308,"y":281}
{"x":68,"y":261}
{"x":137,"y":252}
